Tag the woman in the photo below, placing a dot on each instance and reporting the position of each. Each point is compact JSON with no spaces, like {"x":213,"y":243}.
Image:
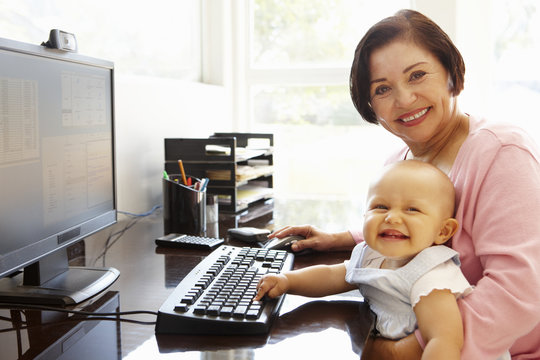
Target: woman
{"x":406,"y":76}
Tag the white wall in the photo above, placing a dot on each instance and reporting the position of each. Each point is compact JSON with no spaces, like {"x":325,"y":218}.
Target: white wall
{"x":149,"y":110}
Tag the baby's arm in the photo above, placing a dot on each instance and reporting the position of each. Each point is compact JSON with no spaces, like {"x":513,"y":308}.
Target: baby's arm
{"x":439,"y":321}
{"x":314,"y":281}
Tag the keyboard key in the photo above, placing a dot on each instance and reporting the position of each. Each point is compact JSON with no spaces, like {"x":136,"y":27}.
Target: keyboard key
{"x":201,"y":310}
{"x":240,"y":311}
{"x":188,"y":300}
{"x":252,"y":314}
{"x":181,"y":307}
{"x":226,"y":311}
{"x":213,"y":310}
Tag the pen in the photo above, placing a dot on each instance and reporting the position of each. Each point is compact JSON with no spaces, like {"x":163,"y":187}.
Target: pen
{"x":181,"y":165}
{"x":204,"y":182}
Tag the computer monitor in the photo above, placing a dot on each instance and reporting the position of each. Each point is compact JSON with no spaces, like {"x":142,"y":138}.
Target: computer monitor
{"x":57,"y":171}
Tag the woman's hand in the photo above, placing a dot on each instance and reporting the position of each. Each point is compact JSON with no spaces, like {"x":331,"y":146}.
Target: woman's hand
{"x":316,"y":239}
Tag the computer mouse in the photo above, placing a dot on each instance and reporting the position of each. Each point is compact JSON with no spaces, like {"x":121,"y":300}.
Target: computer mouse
{"x":283,"y":243}
{"x":249,"y":234}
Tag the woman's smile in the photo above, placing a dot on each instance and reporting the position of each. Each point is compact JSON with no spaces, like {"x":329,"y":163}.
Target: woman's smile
{"x":415,"y":117}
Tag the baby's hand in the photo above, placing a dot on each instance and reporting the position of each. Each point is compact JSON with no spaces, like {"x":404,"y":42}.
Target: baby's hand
{"x":272,"y":285}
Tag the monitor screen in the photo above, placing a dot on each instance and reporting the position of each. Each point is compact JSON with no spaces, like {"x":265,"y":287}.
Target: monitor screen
{"x":56,"y":168}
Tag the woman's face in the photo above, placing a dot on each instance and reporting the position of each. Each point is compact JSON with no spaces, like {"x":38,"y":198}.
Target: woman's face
{"x":410,"y":92}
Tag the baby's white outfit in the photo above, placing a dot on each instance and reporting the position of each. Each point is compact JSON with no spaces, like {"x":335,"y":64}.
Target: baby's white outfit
{"x":392,"y":294}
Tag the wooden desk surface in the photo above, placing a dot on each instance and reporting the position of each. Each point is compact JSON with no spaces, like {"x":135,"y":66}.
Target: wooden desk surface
{"x":331,"y":327}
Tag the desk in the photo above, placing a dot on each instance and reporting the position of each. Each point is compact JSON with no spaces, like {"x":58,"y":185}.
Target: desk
{"x":332,"y":327}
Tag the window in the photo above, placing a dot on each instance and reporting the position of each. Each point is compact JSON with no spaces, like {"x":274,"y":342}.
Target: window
{"x":298,"y":57}
{"x":516,"y":79}
{"x":150,"y":40}
{"x":300,"y":54}
{"x":291,"y":63}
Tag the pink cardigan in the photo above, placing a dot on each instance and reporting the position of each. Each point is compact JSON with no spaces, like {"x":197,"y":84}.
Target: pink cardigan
{"x":497,"y":179}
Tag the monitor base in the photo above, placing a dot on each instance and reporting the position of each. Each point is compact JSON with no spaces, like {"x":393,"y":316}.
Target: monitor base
{"x":70,"y":287}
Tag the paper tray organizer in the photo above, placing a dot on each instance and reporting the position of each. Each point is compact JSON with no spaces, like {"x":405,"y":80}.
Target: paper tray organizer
{"x":239,"y":166}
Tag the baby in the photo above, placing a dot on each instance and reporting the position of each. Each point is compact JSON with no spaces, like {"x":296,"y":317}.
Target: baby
{"x":407,"y":276}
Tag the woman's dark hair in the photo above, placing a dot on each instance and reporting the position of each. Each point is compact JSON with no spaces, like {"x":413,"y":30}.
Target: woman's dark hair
{"x":408,"y":25}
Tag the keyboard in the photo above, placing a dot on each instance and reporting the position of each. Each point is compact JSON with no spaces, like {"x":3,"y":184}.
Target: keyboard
{"x":216,"y":296}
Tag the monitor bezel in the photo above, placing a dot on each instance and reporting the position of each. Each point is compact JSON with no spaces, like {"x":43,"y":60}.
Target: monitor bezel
{"x":14,"y":261}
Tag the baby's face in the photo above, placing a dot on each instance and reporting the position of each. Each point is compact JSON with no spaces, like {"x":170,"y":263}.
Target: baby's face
{"x":405,"y":213}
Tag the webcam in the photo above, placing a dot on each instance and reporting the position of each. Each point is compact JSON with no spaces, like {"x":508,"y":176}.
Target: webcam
{"x":61,"y":40}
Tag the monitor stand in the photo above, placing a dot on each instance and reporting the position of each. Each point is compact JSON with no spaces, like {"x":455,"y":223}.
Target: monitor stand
{"x":50,"y":281}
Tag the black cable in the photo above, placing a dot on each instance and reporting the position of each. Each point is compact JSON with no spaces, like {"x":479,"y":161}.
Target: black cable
{"x":92,"y":315}
{"x":96,"y":318}
{"x":5,"y":318}
{"x":149,"y":212}
{"x":78,"y":312}
{"x":109,"y":242}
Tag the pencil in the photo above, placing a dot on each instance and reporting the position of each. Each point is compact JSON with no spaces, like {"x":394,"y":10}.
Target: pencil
{"x":184,"y":180}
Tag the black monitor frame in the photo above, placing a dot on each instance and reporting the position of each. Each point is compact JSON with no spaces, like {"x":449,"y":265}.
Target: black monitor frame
{"x":47,"y":278}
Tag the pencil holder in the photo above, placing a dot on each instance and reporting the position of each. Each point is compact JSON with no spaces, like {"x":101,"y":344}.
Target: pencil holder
{"x":184,"y":207}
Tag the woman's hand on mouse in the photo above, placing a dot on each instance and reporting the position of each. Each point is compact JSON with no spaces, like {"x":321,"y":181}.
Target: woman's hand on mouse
{"x":315,"y":238}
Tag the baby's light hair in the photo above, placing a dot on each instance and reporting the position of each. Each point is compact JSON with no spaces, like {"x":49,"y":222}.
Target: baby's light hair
{"x":446,"y":186}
